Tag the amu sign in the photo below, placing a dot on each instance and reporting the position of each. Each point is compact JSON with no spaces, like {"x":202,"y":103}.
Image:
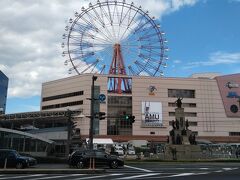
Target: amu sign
{"x":151,"y":114}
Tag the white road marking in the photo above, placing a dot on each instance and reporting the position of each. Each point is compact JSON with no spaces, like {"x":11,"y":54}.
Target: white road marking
{"x":52,"y":177}
{"x":181,"y":174}
{"x":174,"y":175}
{"x":227,"y":169}
{"x":20,"y":177}
{"x":140,"y":169}
{"x":203,"y":173}
{"x":204,"y":168}
{"x":93,"y":177}
{"x":139,"y":176}
{"x":219,"y":171}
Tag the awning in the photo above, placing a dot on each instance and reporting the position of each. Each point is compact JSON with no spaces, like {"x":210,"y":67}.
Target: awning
{"x":101,"y":140}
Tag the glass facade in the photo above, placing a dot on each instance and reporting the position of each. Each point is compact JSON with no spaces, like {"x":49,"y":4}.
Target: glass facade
{"x":23,"y":143}
{"x":118,"y":108}
{"x":3,"y":92}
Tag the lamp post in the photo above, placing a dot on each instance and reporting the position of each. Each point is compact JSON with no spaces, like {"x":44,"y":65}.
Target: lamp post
{"x":94,"y":78}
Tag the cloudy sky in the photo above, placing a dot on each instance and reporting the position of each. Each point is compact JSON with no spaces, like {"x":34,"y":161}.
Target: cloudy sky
{"x":203,"y":35}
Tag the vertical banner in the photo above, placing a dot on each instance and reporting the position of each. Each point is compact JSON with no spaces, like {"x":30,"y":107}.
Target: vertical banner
{"x":151,"y":114}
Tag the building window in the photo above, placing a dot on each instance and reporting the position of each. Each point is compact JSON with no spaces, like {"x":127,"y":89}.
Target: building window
{"x":185,"y":93}
{"x":183,"y":105}
{"x":194,"y":133}
{"x":171,"y":113}
{"x":61,"y":96}
{"x":187,"y":114}
{"x":124,"y":88}
{"x":55,"y":106}
{"x":234,"y":133}
{"x":191,"y":123}
{"x":233,"y":108}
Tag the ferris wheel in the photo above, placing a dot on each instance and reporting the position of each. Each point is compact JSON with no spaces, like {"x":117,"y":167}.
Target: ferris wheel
{"x":115,"y":37}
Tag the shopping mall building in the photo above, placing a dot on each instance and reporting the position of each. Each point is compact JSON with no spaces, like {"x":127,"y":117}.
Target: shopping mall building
{"x":211,"y":105}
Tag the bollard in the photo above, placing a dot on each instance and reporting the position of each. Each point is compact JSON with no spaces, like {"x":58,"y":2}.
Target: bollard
{"x":93,"y":163}
{"x":5,"y":163}
{"x":90,"y":163}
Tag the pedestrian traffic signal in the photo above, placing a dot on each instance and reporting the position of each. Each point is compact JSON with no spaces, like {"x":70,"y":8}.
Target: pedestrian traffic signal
{"x":101,"y":115}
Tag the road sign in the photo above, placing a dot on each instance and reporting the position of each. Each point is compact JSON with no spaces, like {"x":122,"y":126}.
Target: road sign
{"x":102,"y":97}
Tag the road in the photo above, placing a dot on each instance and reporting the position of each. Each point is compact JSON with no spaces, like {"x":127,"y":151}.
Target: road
{"x":146,"y":170}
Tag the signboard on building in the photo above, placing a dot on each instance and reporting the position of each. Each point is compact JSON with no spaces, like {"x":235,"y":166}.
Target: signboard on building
{"x":230,"y":92}
{"x":151,"y":114}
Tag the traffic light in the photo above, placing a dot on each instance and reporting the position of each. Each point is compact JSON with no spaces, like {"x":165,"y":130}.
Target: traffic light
{"x":73,"y":124}
{"x":129,"y":118}
{"x":72,"y":127}
{"x":101,"y":115}
{"x":132,"y":119}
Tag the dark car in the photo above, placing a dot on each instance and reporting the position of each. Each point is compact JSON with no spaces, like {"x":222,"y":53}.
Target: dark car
{"x":14,"y":160}
{"x":81,"y":159}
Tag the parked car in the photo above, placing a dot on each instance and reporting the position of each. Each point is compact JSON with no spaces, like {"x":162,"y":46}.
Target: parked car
{"x":119,"y":150}
{"x":131,"y":151}
{"x":81,"y":159}
{"x":14,"y":160}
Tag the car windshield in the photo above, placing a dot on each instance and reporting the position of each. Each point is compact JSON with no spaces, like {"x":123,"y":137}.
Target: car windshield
{"x":107,"y":153}
{"x":16,"y":153}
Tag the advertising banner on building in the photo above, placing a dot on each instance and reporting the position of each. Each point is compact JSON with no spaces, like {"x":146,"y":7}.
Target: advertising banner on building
{"x":229,"y":87}
{"x":151,"y":114}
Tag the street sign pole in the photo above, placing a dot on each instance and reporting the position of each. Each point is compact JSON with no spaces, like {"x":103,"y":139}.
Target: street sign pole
{"x":94,"y":78}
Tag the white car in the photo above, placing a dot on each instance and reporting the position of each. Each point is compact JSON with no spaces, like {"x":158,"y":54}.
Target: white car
{"x":131,"y":152}
{"x":119,"y":150}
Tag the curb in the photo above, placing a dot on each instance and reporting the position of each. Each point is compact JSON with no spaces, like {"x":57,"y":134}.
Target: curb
{"x":52,"y":171}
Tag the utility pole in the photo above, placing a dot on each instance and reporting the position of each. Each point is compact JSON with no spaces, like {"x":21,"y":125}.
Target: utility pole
{"x":94,"y":78}
{"x":69,"y":116}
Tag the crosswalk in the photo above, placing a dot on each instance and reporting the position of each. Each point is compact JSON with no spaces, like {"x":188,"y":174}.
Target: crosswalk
{"x":117,"y":176}
{"x":120,"y":175}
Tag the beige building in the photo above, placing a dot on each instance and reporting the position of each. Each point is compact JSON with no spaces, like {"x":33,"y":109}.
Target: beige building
{"x":211,"y":105}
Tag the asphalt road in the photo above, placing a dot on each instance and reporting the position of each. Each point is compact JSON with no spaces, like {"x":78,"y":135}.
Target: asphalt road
{"x":145,"y":170}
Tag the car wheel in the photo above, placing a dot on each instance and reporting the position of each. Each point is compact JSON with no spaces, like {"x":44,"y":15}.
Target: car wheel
{"x":80,"y":165}
{"x":114,"y":165}
{"x":19,"y":165}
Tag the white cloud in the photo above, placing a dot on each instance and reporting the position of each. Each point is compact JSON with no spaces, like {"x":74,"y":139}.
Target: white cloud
{"x":234,"y":1}
{"x":177,"y":61}
{"x":31,"y":33}
{"x":158,"y":8}
{"x":217,"y":58}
